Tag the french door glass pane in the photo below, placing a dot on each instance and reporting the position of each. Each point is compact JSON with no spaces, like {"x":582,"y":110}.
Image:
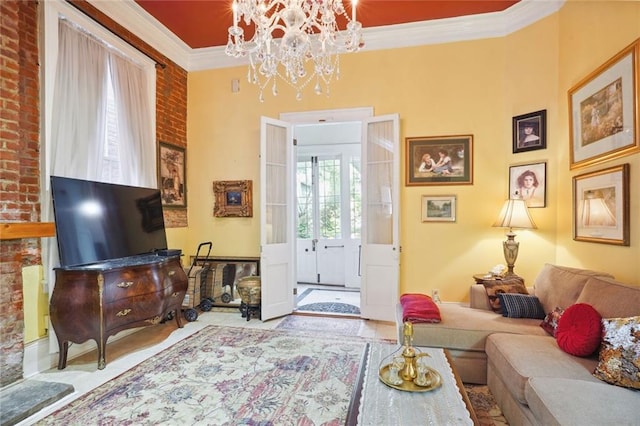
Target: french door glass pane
{"x":379,"y":183}
{"x":305,"y":198}
{"x":276,"y":170}
{"x":355,"y":196}
{"x":329,"y":198}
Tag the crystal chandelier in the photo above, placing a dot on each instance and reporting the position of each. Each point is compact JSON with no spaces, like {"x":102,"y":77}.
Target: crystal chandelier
{"x":297,"y":41}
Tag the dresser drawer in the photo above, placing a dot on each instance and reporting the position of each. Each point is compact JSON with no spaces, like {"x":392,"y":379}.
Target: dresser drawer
{"x":126,"y":311}
{"x":124,"y":284}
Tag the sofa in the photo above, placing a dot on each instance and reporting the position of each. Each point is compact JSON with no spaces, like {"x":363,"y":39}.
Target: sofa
{"x":534,"y":380}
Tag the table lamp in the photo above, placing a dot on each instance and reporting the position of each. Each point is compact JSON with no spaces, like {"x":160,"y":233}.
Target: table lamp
{"x":514,"y":214}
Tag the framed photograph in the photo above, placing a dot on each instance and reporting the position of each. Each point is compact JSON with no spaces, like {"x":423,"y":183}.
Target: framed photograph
{"x":603,"y":111}
{"x":439,"y":160}
{"x":172,"y":175}
{"x":233,"y":198}
{"x":601,"y":206}
{"x":530,"y":131}
{"x":438,"y":208}
{"x":529,"y":182}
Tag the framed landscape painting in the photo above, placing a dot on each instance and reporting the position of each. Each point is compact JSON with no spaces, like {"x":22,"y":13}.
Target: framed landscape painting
{"x":439,"y":160}
{"x":438,"y":208}
{"x":603,"y":111}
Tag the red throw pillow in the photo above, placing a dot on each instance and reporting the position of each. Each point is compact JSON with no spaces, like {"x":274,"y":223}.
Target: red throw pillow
{"x":579,"y":330}
{"x":418,"y":307}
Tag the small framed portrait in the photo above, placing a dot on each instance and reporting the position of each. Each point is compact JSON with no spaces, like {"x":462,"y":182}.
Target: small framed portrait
{"x":233,"y":198}
{"x":601,"y":206}
{"x":603,"y":111}
{"x":439,"y":160}
{"x":438,"y":208}
{"x":528,"y":182}
{"x":172,"y":175}
{"x":530,"y":131}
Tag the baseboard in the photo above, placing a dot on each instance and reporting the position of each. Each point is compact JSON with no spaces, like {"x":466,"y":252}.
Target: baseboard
{"x":38,"y":359}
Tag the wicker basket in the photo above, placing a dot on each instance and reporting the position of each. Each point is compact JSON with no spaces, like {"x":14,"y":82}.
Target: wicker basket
{"x":249,"y":289}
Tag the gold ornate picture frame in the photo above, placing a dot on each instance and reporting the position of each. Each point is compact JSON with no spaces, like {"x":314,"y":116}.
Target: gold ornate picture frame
{"x":603,"y":111}
{"x":601,"y":206}
{"x":233,"y":198}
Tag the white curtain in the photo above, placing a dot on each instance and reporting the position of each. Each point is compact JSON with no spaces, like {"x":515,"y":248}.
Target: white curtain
{"x":80,"y":106}
{"x":79,"y":123}
{"x":135,"y":132}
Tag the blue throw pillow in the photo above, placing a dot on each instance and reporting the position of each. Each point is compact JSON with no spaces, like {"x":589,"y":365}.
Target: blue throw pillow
{"x":516,"y":305}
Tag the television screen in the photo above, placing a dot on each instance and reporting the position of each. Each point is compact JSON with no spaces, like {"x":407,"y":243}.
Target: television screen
{"x":98,"y":221}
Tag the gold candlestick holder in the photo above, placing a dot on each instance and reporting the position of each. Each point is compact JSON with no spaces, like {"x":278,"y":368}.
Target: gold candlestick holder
{"x":408,"y":369}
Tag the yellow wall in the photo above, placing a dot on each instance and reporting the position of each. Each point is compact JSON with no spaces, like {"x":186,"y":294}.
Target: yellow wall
{"x":472,"y":87}
{"x":591,"y":33}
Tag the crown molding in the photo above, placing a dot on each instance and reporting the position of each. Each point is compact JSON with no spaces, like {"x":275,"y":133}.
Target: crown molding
{"x":489,"y":25}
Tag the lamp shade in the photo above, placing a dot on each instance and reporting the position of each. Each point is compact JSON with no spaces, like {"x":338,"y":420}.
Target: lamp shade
{"x":515,"y":214}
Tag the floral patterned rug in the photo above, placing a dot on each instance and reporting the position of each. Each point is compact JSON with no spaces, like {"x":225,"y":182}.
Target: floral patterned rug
{"x":485,"y":406}
{"x":229,"y":376}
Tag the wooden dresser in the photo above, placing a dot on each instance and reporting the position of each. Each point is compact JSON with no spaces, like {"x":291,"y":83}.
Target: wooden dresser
{"x":99,"y":300}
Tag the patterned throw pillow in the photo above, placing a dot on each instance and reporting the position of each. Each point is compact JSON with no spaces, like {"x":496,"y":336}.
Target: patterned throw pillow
{"x":516,"y":305}
{"x":505,"y":285}
{"x":550,"y":321}
{"x":619,"y":358}
{"x":579,"y":330}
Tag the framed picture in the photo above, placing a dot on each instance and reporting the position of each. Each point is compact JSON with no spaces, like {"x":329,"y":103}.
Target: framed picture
{"x":601,"y":206}
{"x":439,"y":160}
{"x":529,"y":182}
{"x":438,"y":208}
{"x":530,"y":131}
{"x":603,"y":111}
{"x":233,"y":198}
{"x":172,"y":175}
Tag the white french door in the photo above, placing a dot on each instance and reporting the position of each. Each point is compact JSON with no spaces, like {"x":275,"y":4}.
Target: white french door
{"x":322,"y":218}
{"x":277,"y":239}
{"x":380,"y":224}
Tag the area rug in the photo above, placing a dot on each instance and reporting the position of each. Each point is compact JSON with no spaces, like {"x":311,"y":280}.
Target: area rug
{"x":485,"y":406}
{"x":229,"y":376}
{"x":326,"y":325}
{"x":330,"y":307}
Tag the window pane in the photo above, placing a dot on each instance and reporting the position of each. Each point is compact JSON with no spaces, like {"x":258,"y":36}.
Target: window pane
{"x":329,"y":198}
{"x":111,"y":159}
{"x":355,"y":197}
{"x":305,"y":199}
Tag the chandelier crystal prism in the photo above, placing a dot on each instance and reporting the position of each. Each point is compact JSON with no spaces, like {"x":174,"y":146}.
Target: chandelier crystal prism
{"x":296,"y":41}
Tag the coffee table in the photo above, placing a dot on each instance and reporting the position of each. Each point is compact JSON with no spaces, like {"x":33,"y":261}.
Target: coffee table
{"x":374,"y":403}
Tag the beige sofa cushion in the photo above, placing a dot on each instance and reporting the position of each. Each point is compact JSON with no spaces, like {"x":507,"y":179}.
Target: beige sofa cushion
{"x":466,"y":328}
{"x":516,"y":358}
{"x":560,"y":401}
{"x":560,"y":286}
{"x":611,"y":298}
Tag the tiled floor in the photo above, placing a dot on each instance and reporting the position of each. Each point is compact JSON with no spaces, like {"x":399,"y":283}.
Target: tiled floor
{"x":129,"y":351}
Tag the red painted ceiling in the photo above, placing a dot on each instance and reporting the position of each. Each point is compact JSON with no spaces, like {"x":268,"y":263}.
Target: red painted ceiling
{"x":204,"y":23}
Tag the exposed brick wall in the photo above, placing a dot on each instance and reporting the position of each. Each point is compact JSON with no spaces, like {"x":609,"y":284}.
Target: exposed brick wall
{"x":20,"y":152}
{"x":19,"y":170}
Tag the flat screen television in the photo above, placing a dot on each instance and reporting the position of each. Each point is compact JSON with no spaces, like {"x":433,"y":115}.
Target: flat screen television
{"x":98,"y":221}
